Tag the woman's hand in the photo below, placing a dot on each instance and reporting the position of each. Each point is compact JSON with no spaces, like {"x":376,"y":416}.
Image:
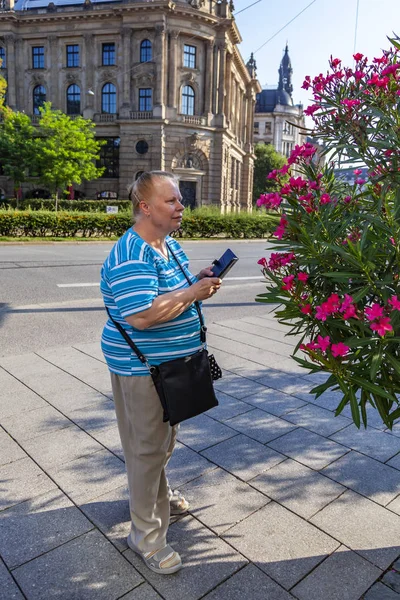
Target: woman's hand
{"x":207,"y":272}
{"x":206,"y":287}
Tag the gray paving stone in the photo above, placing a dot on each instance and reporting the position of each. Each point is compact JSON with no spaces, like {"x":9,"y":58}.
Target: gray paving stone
{"x":185,"y":465}
{"x":8,"y":587}
{"x":373,"y":417}
{"x":298,"y":488}
{"x":34,"y":423}
{"x":395,"y":462}
{"x":238,"y":365}
{"x":300,"y":388}
{"x":9,"y":449}
{"x":374,"y":443}
{"x":394,"y":505}
{"x":280,"y":543}
{"x":110,"y":513}
{"x":381,"y":592}
{"x":317,"y":419}
{"x":39,"y":525}
{"x":243,"y":457}
{"x":22,"y":480}
{"x":90,"y":476}
{"x":238,"y":387}
{"x":91,"y":349}
{"x":249,"y":583}
{"x":23,"y":399}
{"x":203,"y":431}
{"x":94,"y":418}
{"x":110,"y":438}
{"x":260,"y":426}
{"x":363,"y":526}
{"x":207,"y":560}
{"x":392,"y":579}
{"x":395,"y":429}
{"x":275,"y":402}
{"x":308,"y":448}
{"x":342,"y":576}
{"x":284,"y":382}
{"x":234,"y":334}
{"x":58,"y":447}
{"x":228,"y":407}
{"x":142,"y":592}
{"x":86,"y":568}
{"x":366,"y":476}
{"x":220,"y":500}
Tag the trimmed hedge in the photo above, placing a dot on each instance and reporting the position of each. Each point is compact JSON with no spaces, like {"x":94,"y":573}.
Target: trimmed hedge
{"x":69,"y":205}
{"x":27,"y":223}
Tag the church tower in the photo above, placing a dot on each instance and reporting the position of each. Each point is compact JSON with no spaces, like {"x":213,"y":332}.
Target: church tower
{"x":285,"y":73}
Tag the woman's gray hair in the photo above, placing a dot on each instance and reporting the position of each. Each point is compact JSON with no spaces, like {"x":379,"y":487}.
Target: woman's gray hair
{"x":141,"y":188}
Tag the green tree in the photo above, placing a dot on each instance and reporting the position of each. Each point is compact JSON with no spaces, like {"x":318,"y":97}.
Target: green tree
{"x":3,"y":88}
{"x":267,"y":159}
{"x":66,"y":150}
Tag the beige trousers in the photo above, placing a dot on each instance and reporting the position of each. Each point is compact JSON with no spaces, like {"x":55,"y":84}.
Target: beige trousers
{"x":147,"y":443}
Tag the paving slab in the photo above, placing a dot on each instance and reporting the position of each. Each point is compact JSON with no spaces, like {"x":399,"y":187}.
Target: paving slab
{"x":238,"y":387}
{"x":21,"y":481}
{"x":34,"y":423}
{"x":58,"y":447}
{"x":392,"y":579}
{"x":249,"y":583}
{"x":185,"y":465}
{"x":39,"y":525}
{"x":394,"y":462}
{"x":298,"y":488}
{"x":373,"y":417}
{"x":90,"y":476}
{"x":228,"y":407}
{"x":379,"y":591}
{"x":94,"y":417}
{"x":394,"y":505}
{"x":238,"y":365}
{"x":281,"y":544}
{"x":278,"y":347}
{"x":8,"y":587}
{"x":91,"y":349}
{"x":308,"y":448}
{"x":110,"y":513}
{"x":23,"y":399}
{"x":344,"y":575}
{"x":317,"y":419}
{"x":207,"y":560}
{"x":203,"y":431}
{"x":374,"y":443}
{"x":265,"y":331}
{"x":142,"y":592}
{"x":363,"y":526}
{"x":243,"y":457}
{"x":260,"y":425}
{"x":86,"y":568}
{"x":110,"y":439}
{"x":220,"y":500}
{"x":275,"y":402}
{"x":9,"y":449}
{"x":366,"y":476}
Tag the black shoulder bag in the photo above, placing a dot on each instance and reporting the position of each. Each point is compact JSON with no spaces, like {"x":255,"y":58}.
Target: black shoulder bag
{"x":184,"y":385}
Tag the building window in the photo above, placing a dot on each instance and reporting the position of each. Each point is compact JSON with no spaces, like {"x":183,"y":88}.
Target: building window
{"x":73,"y":55}
{"x":142,"y":147}
{"x":189,"y":56}
{"x":109,"y":99}
{"x":73,"y":100}
{"x":256,"y":127}
{"x":145,"y":99}
{"x":38,"y":57}
{"x":39,"y":98}
{"x":145,"y":51}
{"x":268,"y":127}
{"x":187,"y":100}
{"x":109,"y":157}
{"x":108,"y":54}
{"x":3,"y":58}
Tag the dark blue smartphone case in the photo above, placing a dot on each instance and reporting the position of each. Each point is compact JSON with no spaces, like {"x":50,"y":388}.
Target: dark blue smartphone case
{"x":224,"y":264}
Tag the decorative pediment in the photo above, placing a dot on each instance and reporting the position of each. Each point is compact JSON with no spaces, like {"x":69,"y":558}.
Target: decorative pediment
{"x":71,"y":77}
{"x":107,"y":75}
{"x":144,"y":79}
{"x":38,"y":80}
{"x":196,"y":3}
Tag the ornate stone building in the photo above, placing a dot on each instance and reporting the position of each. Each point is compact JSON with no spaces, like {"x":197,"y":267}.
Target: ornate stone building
{"x":277,"y":119}
{"x":163,"y":81}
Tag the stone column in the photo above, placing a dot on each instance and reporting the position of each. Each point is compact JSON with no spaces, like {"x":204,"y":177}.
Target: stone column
{"x":54,"y":73}
{"x":208,"y":77}
{"x":237,"y":110}
{"x":221,"y":83}
{"x":215,"y":79}
{"x":126,"y":83}
{"x":172,"y":68}
{"x":229,"y":84}
{"x":11,"y":78}
{"x":249,"y":118}
{"x":159,"y":104}
{"x":89,"y":72}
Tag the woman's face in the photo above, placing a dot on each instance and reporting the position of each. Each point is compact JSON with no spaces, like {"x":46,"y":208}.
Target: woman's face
{"x":164,"y":205}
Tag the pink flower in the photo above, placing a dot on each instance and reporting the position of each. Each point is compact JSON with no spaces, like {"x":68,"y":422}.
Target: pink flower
{"x":350,"y":313}
{"x":306,"y":309}
{"x":350,"y":103}
{"x":310,"y":110}
{"x":335,"y":62}
{"x":273,"y":174}
{"x":297,"y":183}
{"x":325,"y":199}
{"x":306,"y":83}
{"x":357,"y":171}
{"x":394,"y":303}
{"x":392,"y":241}
{"x":288,"y":281}
{"x":312,"y":346}
{"x":358,"y":75}
{"x":357,"y":57}
{"x":339,"y":349}
{"x":374,"y":312}
{"x":280,"y":231}
{"x":347,"y":199}
{"x":262,"y":262}
{"x":381,"y":326}
{"x":321,"y":314}
{"x":360,"y":181}
{"x":324,"y":342}
{"x":302,"y":276}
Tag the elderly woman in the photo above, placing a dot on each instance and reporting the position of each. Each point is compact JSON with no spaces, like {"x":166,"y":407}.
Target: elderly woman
{"x":146,"y":292}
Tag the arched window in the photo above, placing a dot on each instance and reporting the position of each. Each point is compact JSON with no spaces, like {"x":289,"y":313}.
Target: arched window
{"x":3,"y":58}
{"x":73,"y":100}
{"x":187,"y":100}
{"x":39,"y":98}
{"x":145,"y":51}
{"x":109,"y":99}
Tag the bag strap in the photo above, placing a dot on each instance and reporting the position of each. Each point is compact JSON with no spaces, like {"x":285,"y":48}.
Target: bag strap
{"x":130,"y":342}
{"x":203,"y":328}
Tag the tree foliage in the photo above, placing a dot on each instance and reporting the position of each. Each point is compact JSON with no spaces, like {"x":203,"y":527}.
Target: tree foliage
{"x":267,"y":160}
{"x":17,"y":145}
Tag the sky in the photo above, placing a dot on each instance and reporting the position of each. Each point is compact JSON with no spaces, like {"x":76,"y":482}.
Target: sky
{"x":326,"y":27}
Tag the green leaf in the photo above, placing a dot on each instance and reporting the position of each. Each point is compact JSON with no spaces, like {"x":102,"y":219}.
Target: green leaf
{"x":376,"y":362}
{"x":355,"y":412}
{"x":371,"y":387}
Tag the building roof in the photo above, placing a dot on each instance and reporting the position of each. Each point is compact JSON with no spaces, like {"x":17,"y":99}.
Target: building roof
{"x":28,"y":4}
{"x":268,"y":99}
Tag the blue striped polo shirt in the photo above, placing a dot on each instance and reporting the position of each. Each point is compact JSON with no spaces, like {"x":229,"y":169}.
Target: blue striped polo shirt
{"x":132,"y":276}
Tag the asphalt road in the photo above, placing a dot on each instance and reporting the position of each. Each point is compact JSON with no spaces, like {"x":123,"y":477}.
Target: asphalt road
{"x":49,"y":293}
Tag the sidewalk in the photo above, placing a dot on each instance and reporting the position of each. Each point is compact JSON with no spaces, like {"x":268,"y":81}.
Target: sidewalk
{"x":287,"y":501}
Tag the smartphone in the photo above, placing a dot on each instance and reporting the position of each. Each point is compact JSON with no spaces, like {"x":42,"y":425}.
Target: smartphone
{"x":224,"y":264}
